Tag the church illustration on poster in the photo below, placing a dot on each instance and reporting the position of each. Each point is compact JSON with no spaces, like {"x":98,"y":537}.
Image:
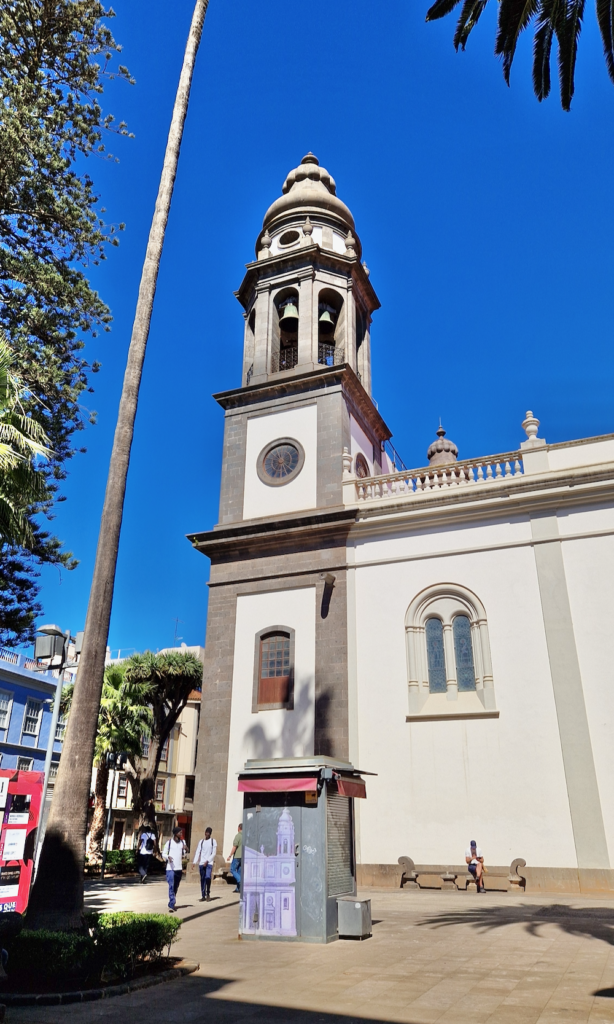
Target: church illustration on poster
{"x":269,"y":906}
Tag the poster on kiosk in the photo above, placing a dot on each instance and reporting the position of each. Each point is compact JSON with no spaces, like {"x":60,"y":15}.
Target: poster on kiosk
{"x":20,"y":803}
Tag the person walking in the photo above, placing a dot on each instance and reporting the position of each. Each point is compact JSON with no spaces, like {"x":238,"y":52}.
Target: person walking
{"x":205,"y":858}
{"x":475,"y":864}
{"x":236,"y":856}
{"x":174,"y":851}
{"x":147,"y":845}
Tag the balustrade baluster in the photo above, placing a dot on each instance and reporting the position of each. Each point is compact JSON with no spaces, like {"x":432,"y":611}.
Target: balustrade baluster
{"x":480,"y":479}
{"x":498,"y":471}
{"x":508,"y":469}
{"x":489,"y":472}
{"x":517,"y":467}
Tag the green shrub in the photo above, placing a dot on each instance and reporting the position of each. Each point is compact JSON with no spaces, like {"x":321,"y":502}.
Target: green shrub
{"x":44,"y":956}
{"x":121,"y":861}
{"x":128,"y":859}
{"x":116,"y":944}
{"x":124,"y":939}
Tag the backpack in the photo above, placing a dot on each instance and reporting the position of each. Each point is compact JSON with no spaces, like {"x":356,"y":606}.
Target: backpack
{"x":149,"y":844}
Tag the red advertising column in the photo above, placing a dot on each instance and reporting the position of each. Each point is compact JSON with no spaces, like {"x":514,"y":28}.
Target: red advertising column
{"x":20,"y":806}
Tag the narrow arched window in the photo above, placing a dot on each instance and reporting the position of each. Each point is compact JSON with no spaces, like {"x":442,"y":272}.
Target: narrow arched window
{"x":435,"y":656}
{"x":463,"y":651}
{"x":275,"y":669}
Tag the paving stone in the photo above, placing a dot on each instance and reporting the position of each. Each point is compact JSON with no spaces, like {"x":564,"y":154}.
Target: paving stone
{"x":431,"y":959}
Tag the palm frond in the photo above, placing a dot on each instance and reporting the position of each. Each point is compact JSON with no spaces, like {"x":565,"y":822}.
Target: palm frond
{"x":542,"y":47}
{"x":514,"y":17}
{"x":605,"y":17}
{"x":440,"y":8}
{"x":469,"y":17}
{"x":567,"y":27}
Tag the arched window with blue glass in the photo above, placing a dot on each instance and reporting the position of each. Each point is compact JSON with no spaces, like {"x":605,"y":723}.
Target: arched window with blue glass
{"x":448,"y":654}
{"x":463,"y":653}
{"x":436,"y":657}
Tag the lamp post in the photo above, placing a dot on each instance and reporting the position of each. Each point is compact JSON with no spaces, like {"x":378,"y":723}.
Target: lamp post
{"x":53,"y":644}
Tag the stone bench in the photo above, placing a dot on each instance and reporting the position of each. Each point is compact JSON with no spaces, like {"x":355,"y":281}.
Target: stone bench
{"x":458,"y":877}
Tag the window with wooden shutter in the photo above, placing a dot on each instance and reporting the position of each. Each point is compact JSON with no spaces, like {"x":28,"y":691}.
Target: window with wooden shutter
{"x":274,"y":669}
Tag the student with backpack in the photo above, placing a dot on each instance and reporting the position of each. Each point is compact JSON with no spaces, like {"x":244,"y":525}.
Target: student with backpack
{"x":205,"y":858}
{"x":174,"y":851}
{"x":147,"y":845}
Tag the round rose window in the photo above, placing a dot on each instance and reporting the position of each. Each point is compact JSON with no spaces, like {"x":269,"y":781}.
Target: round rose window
{"x":281,"y":461}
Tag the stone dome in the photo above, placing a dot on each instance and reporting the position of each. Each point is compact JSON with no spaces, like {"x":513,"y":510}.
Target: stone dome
{"x":309,"y":190}
{"x":442,"y":451}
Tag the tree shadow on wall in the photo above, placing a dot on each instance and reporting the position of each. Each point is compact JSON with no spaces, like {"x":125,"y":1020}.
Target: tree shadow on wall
{"x":323,"y":739}
{"x":592,"y":922}
{"x":295,"y":735}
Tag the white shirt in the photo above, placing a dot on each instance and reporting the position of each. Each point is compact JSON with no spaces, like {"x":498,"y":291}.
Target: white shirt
{"x":206,"y":851}
{"x":478,"y":853}
{"x":173,"y":852}
{"x":144,"y":837}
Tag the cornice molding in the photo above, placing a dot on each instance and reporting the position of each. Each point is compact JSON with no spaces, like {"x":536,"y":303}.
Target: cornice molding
{"x":314,"y":256}
{"x":323,"y":378}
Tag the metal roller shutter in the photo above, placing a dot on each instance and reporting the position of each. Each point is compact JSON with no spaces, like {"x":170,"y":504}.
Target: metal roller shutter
{"x":339,"y":845}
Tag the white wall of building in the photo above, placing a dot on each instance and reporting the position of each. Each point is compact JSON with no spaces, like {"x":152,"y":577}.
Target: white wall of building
{"x":260,"y":499}
{"x":588,"y":454}
{"x":500,"y":779}
{"x":276,"y":733}
{"x":359,"y":442}
{"x":589,"y":568}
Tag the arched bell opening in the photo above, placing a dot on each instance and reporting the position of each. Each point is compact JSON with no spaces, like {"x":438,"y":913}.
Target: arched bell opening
{"x":330,"y":323}
{"x":249,"y":346}
{"x":284,"y":355}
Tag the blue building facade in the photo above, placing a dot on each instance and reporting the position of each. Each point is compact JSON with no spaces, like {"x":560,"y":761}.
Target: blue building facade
{"x":25,"y":715}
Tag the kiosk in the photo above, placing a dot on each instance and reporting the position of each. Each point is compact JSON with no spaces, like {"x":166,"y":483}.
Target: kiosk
{"x":298,"y":846}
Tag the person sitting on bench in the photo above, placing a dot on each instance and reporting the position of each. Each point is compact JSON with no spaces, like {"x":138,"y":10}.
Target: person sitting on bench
{"x":475,"y":864}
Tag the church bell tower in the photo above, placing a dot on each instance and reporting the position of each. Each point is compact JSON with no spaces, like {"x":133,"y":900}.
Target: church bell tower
{"x":307,"y":301}
{"x":302,"y":420}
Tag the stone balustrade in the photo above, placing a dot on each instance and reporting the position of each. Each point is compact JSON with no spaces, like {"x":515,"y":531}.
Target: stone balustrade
{"x":469,"y":473}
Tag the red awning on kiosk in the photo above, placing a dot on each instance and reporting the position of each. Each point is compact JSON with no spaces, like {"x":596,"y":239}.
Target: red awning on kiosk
{"x":352,"y":787}
{"x":345,"y":787}
{"x":277,"y":785}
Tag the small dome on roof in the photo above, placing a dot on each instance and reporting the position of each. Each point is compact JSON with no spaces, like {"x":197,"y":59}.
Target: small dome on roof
{"x":310,"y":190}
{"x":442,"y":451}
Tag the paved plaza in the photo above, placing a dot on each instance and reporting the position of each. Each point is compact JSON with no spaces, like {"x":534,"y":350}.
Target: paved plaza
{"x":434,"y":956}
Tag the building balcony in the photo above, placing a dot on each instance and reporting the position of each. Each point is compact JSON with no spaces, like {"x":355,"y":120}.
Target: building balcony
{"x":586,"y":463}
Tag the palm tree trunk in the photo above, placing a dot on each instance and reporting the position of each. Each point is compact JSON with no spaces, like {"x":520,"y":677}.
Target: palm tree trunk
{"x":98,"y":826}
{"x":57,"y":896}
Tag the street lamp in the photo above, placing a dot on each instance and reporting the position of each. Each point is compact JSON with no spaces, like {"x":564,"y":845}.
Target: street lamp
{"x":52,"y":647}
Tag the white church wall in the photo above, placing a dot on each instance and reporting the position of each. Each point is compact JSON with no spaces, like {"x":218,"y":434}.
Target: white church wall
{"x":260,"y":499}
{"x":418,"y":542}
{"x":359,"y":442}
{"x":586,"y":520}
{"x":275,"y":733}
{"x":501,"y":779}
{"x":586,"y":454}
{"x":589,"y":569}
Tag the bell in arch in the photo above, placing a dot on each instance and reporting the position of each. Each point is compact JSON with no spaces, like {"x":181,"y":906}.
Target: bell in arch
{"x":288,"y":320}
{"x":326,"y":322}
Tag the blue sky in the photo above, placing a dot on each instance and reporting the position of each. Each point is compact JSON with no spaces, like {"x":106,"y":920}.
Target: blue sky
{"x":486,"y":221}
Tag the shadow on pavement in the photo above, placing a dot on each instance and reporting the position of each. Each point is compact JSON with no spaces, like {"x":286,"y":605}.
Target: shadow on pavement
{"x":596,"y":922}
{"x":605,"y":993}
{"x":211,"y":910}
